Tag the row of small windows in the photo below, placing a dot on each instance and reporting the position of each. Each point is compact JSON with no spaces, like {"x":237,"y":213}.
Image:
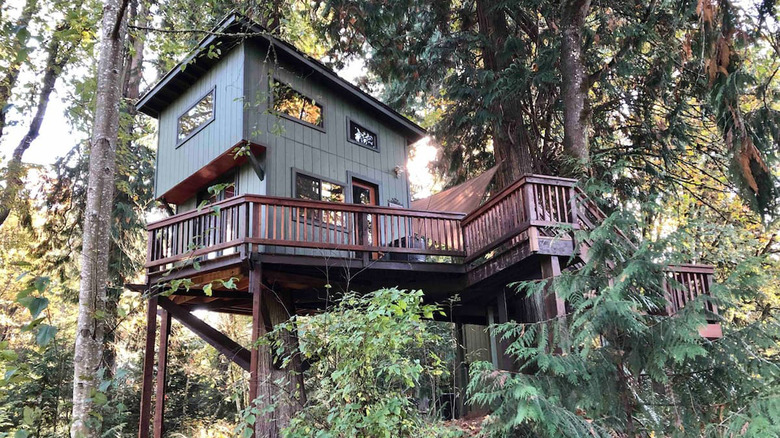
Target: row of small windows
{"x":286,"y":102}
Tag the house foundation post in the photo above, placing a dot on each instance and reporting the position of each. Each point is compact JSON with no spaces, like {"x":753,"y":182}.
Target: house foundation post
{"x":554,"y":307}
{"x":461,"y":372}
{"x":259,"y":366}
{"x":162,"y":374}
{"x":145,"y":416}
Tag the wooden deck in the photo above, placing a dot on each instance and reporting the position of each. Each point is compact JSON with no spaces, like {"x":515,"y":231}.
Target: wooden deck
{"x":305,"y":245}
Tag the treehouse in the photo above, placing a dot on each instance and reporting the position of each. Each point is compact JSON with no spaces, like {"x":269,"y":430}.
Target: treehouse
{"x":287,"y":185}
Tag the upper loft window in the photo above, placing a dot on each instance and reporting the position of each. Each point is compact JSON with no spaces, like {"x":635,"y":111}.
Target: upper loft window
{"x":291,"y":103}
{"x":361,"y":136}
{"x":195,"y":118}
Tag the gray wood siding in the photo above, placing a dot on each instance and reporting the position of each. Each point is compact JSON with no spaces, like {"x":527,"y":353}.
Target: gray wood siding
{"x":175,"y":163}
{"x":325,"y":153}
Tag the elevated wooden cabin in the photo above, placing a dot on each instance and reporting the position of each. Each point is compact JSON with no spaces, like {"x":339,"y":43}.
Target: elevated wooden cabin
{"x":314,"y":200}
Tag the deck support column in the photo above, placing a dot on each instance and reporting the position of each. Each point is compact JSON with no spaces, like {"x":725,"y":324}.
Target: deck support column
{"x":148,"y":374}
{"x":270,"y":308}
{"x":505,"y":361}
{"x":554,"y":307}
{"x":461,"y":376}
{"x":162,"y":374}
{"x":259,"y":354}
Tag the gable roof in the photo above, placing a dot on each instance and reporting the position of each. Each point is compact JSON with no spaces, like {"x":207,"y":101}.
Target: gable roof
{"x":235,"y":29}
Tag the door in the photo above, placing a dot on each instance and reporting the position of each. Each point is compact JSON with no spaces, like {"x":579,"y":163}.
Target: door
{"x":365,"y":193}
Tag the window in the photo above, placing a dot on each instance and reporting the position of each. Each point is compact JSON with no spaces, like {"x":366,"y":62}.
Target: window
{"x":291,"y":103}
{"x":195,"y":118}
{"x":362,"y":136}
{"x":309,"y":187}
{"x":220,"y":189}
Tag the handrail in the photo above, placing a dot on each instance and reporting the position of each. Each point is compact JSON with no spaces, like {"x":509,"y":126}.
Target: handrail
{"x":532,"y":201}
{"x":293,"y":202}
{"x":503,"y":193}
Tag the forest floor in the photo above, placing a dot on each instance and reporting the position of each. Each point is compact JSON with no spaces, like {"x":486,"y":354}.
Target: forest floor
{"x":472,"y":427}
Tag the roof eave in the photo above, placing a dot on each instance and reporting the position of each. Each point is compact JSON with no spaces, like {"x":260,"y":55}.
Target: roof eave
{"x":144,"y":103}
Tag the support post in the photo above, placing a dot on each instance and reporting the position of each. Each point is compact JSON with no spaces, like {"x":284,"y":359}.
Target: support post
{"x":148,"y":373}
{"x":255,"y":284}
{"x":162,"y":372}
{"x":491,"y":319}
{"x":553,"y":306}
{"x":505,"y":361}
{"x":461,"y":372}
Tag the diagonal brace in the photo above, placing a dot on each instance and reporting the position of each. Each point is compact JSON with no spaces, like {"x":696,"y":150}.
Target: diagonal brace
{"x":230,"y":348}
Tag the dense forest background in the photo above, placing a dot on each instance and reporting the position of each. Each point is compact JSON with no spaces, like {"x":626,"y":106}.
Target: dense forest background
{"x":667,"y":111}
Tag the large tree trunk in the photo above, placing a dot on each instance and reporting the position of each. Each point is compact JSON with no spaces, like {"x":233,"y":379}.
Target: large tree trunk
{"x":511,"y":144}
{"x":97,"y":222}
{"x":278,"y":384}
{"x":574,"y":87}
{"x":57,"y":57}
{"x":131,"y":83}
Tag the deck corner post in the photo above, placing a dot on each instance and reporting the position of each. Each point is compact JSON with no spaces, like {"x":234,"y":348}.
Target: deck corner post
{"x":461,"y":377}
{"x":255,"y":288}
{"x":144,"y":420}
{"x":162,"y":374}
{"x":505,"y":361}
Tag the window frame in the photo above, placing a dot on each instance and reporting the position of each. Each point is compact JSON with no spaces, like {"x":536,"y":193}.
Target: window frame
{"x":271,"y":102}
{"x":350,"y":140}
{"x":297,"y":172}
{"x":312,"y":220}
{"x":213,"y":92}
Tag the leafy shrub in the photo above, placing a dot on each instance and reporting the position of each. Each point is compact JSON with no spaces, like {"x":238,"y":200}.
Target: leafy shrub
{"x":362,"y":377}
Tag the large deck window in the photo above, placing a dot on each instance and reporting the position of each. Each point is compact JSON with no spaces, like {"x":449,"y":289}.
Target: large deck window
{"x":291,"y":103}
{"x":195,"y":118}
{"x":316,"y":189}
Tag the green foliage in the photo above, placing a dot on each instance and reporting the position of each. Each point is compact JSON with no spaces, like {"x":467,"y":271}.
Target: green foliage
{"x":362,"y":377}
{"x":616,"y":365}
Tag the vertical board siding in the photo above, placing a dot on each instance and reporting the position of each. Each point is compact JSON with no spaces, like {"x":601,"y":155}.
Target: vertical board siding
{"x":241,"y":112}
{"x":327,"y":154}
{"x":174,"y":164}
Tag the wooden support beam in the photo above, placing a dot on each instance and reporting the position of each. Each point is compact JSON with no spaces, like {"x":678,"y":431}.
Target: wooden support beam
{"x":553,"y":306}
{"x":162,"y":374}
{"x":461,"y":372}
{"x":148,"y":374}
{"x":255,"y":288}
{"x":230,"y":348}
{"x":505,"y":361}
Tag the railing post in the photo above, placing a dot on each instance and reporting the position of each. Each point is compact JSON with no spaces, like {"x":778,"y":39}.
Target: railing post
{"x":573,"y":205}
{"x":362,"y":223}
{"x":150,"y":247}
{"x":529,"y":201}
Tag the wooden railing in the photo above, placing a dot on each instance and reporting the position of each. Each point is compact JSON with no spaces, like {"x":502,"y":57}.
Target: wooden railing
{"x":685,"y":283}
{"x":225,"y":227}
{"x":533,"y":201}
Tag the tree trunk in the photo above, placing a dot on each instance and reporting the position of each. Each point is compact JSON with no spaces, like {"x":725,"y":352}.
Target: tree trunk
{"x":289,"y":395}
{"x":97,"y":223}
{"x":511,"y":144}
{"x":131,"y":82}
{"x":8,"y":82}
{"x":57,"y":57}
{"x":574,"y":87}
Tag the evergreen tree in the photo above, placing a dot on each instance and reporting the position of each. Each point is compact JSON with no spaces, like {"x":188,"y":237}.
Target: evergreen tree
{"x":616,"y":365}
{"x":655,"y":76}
